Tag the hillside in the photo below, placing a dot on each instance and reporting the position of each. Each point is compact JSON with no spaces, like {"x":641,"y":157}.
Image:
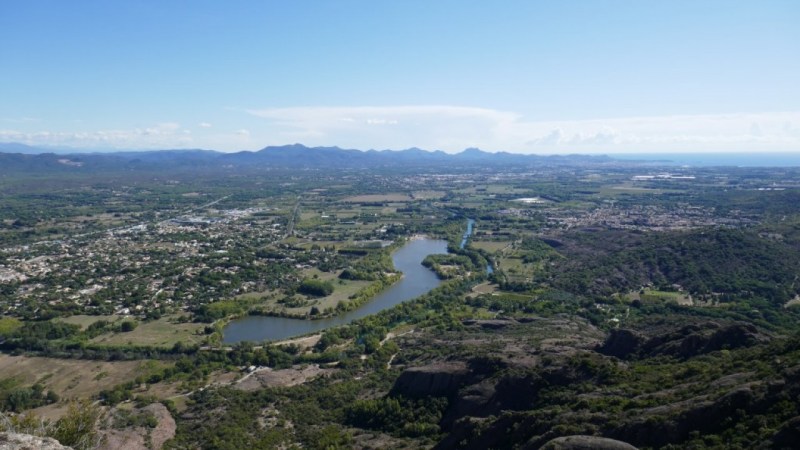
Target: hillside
{"x":724,"y":262}
{"x":16,"y":158}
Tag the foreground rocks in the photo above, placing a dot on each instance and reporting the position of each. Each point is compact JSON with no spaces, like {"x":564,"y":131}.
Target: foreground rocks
{"x":531,"y":400}
{"x":16,"y":441}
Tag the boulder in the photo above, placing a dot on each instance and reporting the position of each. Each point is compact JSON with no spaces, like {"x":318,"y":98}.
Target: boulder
{"x":579,"y":442}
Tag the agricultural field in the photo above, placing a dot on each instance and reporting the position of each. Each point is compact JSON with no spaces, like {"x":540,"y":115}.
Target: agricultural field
{"x":161,"y":333}
{"x":491,"y":246}
{"x":378,"y":198}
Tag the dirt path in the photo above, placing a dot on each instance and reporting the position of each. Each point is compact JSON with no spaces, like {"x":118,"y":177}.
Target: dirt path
{"x":391,"y":335}
{"x":389,"y":363}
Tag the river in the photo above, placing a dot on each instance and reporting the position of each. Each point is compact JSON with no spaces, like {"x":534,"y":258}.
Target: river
{"x":465,"y":238}
{"x":417,"y":280}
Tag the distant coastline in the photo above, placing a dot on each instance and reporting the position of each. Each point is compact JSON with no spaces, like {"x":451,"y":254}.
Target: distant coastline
{"x":738,"y":159}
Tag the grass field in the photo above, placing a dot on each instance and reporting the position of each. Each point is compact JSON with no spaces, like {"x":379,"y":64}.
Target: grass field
{"x":84,"y":321}
{"x":72,"y":378}
{"x":158,"y":333}
{"x":653,"y":295}
{"x":378,"y":198}
{"x":632,"y":190}
{"x":515,"y":269}
{"x":504,"y":189}
{"x":428,"y":195}
{"x":490,"y":246}
{"x":342,"y":291}
{"x":261,"y":295}
{"x":308,"y":215}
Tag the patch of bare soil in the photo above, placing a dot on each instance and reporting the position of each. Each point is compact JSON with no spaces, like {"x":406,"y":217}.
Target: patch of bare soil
{"x":267,"y":377}
{"x":140,"y":438}
{"x":304,"y":343}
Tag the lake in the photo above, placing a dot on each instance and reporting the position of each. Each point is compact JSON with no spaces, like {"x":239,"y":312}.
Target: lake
{"x":417,"y":280}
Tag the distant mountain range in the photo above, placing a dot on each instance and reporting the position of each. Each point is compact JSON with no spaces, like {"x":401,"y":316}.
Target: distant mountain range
{"x":15,"y":157}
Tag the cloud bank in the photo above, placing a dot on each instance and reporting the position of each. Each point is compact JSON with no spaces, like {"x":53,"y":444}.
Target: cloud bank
{"x":453,"y":128}
{"x":449,"y":128}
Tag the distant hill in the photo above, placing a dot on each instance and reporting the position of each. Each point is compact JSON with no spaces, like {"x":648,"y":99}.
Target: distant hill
{"x":298,"y":155}
{"x":16,"y":147}
{"x":16,"y":157}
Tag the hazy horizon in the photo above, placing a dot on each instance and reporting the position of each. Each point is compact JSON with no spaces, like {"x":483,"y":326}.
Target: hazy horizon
{"x":740,"y":158}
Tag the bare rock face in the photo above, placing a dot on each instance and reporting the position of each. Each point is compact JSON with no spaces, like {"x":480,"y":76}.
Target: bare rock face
{"x":16,"y":441}
{"x":622,"y":343}
{"x":434,"y":380}
{"x":686,"y":342}
{"x":586,"y":443}
{"x":490,"y":324}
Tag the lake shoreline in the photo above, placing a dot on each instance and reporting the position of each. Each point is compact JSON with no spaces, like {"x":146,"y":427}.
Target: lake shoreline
{"x":416,"y":280}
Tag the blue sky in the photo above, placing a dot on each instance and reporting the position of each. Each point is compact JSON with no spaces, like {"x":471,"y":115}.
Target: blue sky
{"x":524,"y":76}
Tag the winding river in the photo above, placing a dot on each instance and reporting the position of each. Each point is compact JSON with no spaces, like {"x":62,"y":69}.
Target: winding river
{"x":417,"y":280}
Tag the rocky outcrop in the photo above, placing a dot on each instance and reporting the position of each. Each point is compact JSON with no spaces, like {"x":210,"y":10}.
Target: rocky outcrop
{"x":434,"y":380}
{"x":686,"y":342}
{"x":622,"y":343}
{"x":490,"y":324}
{"x":472,"y":401}
{"x":586,"y":443}
{"x":17,"y":441}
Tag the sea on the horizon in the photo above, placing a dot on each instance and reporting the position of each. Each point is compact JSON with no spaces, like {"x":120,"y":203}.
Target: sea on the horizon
{"x":773,"y":159}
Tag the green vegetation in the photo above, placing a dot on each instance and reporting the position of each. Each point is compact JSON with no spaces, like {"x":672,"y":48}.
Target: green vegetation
{"x":317,"y":288}
{"x":15,"y":398}
{"x":656,"y":311}
{"x":76,"y":429}
{"x":401,"y":416}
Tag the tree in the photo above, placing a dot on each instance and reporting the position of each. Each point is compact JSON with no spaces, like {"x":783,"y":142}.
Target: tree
{"x":316,"y":288}
{"x":77,"y":428}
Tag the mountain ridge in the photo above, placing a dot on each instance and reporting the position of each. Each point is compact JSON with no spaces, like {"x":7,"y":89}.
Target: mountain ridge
{"x":285,"y":156}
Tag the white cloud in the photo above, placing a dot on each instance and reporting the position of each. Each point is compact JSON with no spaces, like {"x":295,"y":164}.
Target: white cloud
{"x":381,"y":122}
{"x":204,"y":125}
{"x":159,"y":136}
{"x":162,"y":129}
{"x":427,"y":126}
{"x":453,"y":128}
